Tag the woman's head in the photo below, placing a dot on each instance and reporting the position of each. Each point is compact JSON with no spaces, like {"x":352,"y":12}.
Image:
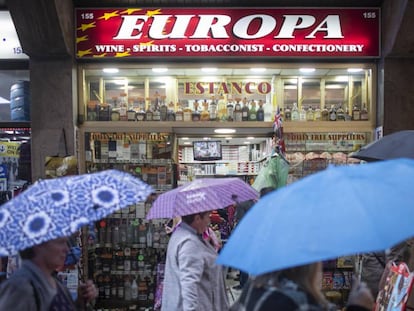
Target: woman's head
{"x":199,"y":221}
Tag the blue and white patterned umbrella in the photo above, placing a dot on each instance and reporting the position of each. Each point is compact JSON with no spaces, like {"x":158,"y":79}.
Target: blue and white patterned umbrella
{"x":58,"y":207}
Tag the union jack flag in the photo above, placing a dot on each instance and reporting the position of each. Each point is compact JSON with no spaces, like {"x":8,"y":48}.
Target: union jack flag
{"x":277,"y":123}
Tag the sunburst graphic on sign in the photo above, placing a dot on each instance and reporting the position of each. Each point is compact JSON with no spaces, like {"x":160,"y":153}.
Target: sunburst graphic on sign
{"x":84,"y":27}
{"x":130,"y":11}
{"x":109,"y":15}
{"x":81,"y":39}
{"x":153,"y":12}
{"x":84,"y":52}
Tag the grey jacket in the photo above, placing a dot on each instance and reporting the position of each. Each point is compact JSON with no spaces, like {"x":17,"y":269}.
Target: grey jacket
{"x":192,"y":279}
{"x":27,"y":290}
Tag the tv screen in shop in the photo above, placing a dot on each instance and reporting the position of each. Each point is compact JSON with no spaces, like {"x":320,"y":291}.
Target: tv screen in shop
{"x":207,"y":150}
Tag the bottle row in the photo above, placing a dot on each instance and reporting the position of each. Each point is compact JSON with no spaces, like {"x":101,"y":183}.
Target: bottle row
{"x":127,"y":288}
{"x":132,"y":232}
{"x":238,"y":111}
{"x":335,"y":113}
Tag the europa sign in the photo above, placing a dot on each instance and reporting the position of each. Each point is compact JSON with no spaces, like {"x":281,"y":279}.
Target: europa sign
{"x":224,"y":32}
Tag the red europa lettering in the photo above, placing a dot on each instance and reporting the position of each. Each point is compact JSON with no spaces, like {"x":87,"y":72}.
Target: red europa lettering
{"x":208,"y":26}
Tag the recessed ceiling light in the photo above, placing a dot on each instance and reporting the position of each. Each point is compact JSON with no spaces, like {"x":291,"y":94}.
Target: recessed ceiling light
{"x":159,"y":70}
{"x":258,"y":69}
{"x":208,"y":69}
{"x":306,"y":70}
{"x":354,"y":70}
{"x":187,"y":143}
{"x":184,"y":138}
{"x":247,"y":143}
{"x":110,"y":70}
{"x":250,"y":137}
{"x":228,"y":138}
{"x":224,"y":131}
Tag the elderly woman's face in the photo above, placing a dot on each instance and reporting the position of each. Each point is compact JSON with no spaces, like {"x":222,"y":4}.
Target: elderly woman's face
{"x":53,"y":253}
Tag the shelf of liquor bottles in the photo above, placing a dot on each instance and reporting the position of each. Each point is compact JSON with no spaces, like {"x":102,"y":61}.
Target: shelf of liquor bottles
{"x":126,"y":258}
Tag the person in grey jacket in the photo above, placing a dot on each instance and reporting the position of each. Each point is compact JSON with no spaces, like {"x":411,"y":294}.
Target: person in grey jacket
{"x":34,"y":287}
{"x":192,"y":280}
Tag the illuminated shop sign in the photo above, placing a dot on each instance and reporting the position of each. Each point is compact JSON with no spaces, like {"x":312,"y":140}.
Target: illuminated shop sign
{"x":224,"y":32}
{"x":10,"y":47}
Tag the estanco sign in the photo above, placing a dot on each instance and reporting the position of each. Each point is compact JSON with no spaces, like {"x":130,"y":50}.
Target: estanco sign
{"x":224,"y":32}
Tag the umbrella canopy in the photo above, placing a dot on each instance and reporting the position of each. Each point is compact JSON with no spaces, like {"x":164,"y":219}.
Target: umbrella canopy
{"x":54,"y":208}
{"x":396,"y":145}
{"x":340,"y":211}
{"x":201,"y":195}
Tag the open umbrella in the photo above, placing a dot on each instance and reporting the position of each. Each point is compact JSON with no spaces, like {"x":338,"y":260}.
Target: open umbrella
{"x":201,"y":195}
{"x":340,"y":211}
{"x":396,"y":145}
{"x":53,"y":208}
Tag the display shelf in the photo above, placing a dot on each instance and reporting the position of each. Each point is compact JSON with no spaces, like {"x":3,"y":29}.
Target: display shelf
{"x":207,"y":127}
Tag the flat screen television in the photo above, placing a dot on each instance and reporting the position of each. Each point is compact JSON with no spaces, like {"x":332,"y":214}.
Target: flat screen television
{"x":207,"y":150}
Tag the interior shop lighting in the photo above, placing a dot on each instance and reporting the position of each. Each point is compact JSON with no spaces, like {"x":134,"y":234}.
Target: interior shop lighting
{"x":306,"y":70}
{"x":354,"y":70}
{"x":224,"y":131}
{"x":187,"y":143}
{"x":110,"y":70}
{"x":208,"y":69}
{"x":258,"y":69}
{"x":247,"y":142}
{"x":159,"y":70}
{"x":250,"y":137}
{"x":184,"y":138}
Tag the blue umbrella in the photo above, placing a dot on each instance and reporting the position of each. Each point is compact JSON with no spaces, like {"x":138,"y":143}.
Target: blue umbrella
{"x":340,"y":211}
{"x":53,"y":208}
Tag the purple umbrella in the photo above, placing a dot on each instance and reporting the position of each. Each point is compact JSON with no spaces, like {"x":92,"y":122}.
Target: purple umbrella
{"x":201,"y":195}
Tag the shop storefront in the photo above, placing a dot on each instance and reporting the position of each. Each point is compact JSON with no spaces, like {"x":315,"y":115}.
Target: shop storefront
{"x":155,"y":83}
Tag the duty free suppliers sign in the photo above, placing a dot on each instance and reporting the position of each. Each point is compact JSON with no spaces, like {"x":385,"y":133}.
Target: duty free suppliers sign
{"x":228,"y":32}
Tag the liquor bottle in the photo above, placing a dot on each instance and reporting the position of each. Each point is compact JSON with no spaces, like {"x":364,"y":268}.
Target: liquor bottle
{"x":302,"y":114}
{"x":142,"y":229}
{"x":340,"y":113}
{"x":170,"y":112}
{"x":260,"y":111}
{"x":123,"y":231}
{"x":195,"y":115}
{"x":134,"y":289}
{"x":205,"y":115}
{"x":92,"y":110}
{"x":141,"y":111}
{"x":107,"y":286}
{"x":317,"y":114}
{"x":115,"y":116}
{"x":156,"y":114}
{"x":230,"y":111}
{"x":364,"y":113}
{"x":222,"y":110}
{"x":120,"y":288}
{"x":187,"y":114}
{"x":149,"y":114}
{"x":114,"y":285}
{"x":332,"y":113}
{"x":213,"y":110}
{"x":127,"y":259}
{"x":237,"y":114}
{"x":179,"y":115}
{"x":163,"y":109}
{"x":310,"y":115}
{"x":150,"y":235}
{"x":288,"y":114}
{"x":245,"y":110}
{"x":252,"y":111}
{"x":295,"y":112}
{"x":325,"y":114}
{"x":356,"y":113}
{"x":131,"y":112}
{"x":123,"y":107}
{"x":348,"y":116}
{"x":127,"y":289}
{"x":115,"y":234}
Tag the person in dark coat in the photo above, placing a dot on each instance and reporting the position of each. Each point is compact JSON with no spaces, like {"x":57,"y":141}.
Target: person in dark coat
{"x":297,"y":288}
